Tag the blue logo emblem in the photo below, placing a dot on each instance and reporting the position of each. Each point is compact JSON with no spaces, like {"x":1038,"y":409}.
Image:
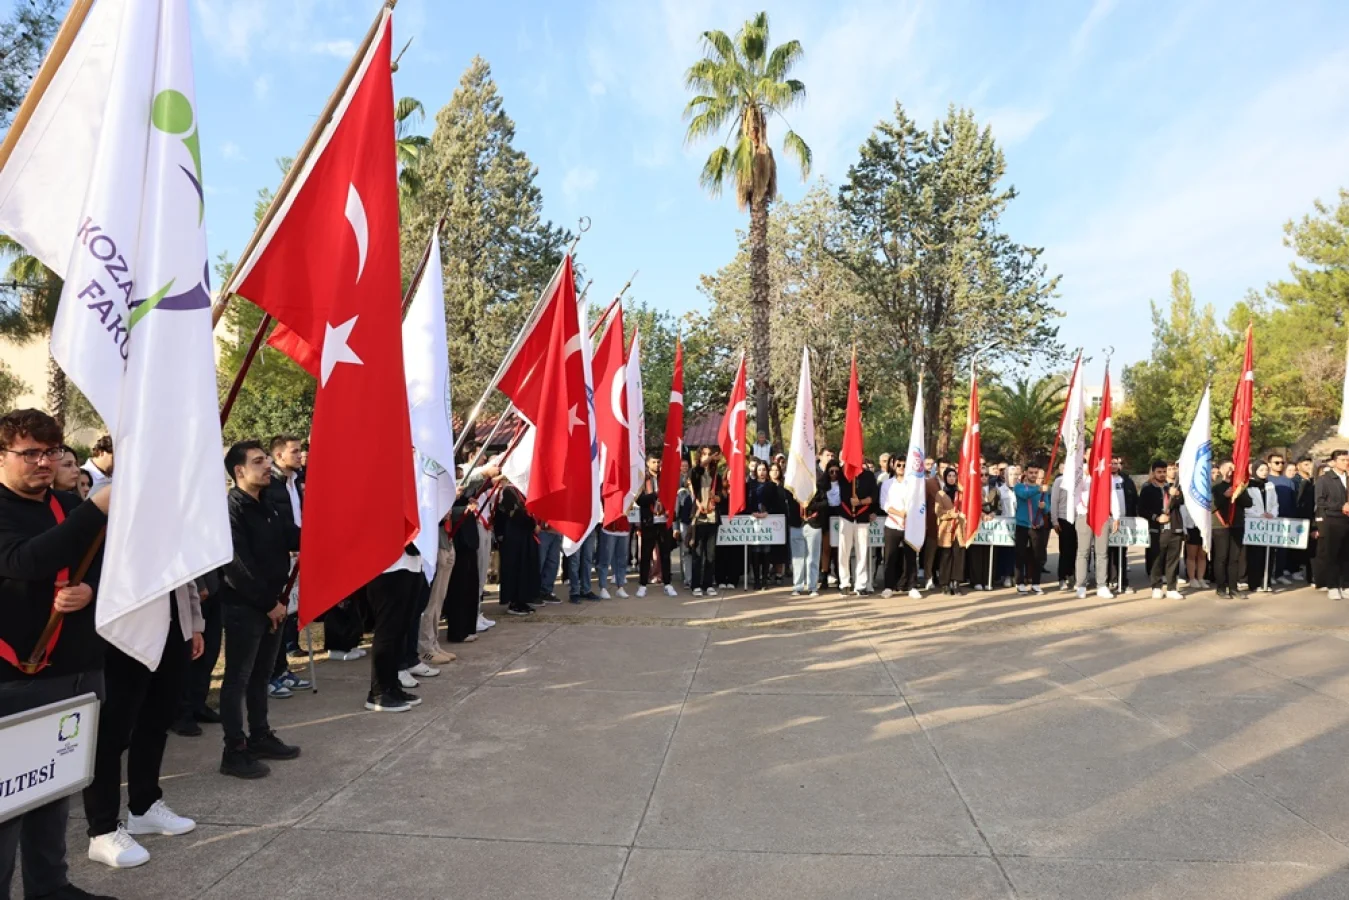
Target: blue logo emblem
{"x":69,"y":727}
{"x":1201,"y":479}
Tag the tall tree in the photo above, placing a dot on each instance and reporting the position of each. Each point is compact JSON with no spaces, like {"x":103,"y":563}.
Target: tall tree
{"x":32,"y":293}
{"x":498,"y":251}
{"x":741,"y":81}
{"x":408,"y":113}
{"x":1021,"y":418}
{"x":23,"y":42}
{"x":931,"y":255}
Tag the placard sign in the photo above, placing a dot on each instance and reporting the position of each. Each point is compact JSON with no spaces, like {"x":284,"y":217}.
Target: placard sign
{"x":875,"y":532}
{"x":1133,"y":532}
{"x":46,"y":753}
{"x":996,"y":531}
{"x":743,"y":531}
{"x":1291,"y":533}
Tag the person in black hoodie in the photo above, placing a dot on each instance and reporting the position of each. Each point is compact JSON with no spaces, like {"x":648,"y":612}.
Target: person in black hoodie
{"x":1229,"y":523}
{"x":515,"y":530}
{"x":1151,"y":504}
{"x":1162,"y":505}
{"x":860,"y":502}
{"x":252,"y":612}
{"x":655,"y":542}
{"x":43,"y":535}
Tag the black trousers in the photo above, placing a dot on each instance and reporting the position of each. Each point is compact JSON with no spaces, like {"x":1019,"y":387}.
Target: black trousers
{"x":197,"y":678}
{"x":655,"y":545}
{"x":1258,"y":559}
{"x":977,"y":557}
{"x":1226,"y":559}
{"x":901,"y":563}
{"x":1150,"y":551}
{"x":250,"y":652}
{"x":930,"y":555}
{"x":138,"y":707}
{"x":290,"y":640}
{"x":1170,"y":547}
{"x":1113,"y":564}
{"x":704,"y":555}
{"x":1333,"y":547}
{"x":951,"y":565}
{"x":1028,"y":557}
{"x":1067,"y":550}
{"x":392,"y":596}
{"x":344,"y":624}
{"x":39,"y":835}
{"x":461,"y":596}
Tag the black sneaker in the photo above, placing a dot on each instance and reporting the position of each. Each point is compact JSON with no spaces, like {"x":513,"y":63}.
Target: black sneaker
{"x":185,"y":726}
{"x":574,"y":598}
{"x":590,"y":595}
{"x":268,"y":746}
{"x":549,"y":599}
{"x":206,"y":715}
{"x":389,"y":701}
{"x":409,"y":699}
{"x":70,"y":892}
{"x":524,"y":610}
{"x":242,"y":764}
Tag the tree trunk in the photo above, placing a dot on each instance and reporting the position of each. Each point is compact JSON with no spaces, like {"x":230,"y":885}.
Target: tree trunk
{"x":56,"y":391}
{"x":776,"y":415}
{"x":760,"y":347}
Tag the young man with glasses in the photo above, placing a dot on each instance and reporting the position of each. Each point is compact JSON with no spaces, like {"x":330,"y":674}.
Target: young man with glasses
{"x":43,"y":536}
{"x":1287,"y":497}
{"x":1332,"y":522}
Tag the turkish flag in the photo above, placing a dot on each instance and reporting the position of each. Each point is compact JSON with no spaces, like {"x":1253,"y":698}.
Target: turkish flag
{"x":1102,"y":481}
{"x":611,"y":420}
{"x":969,"y":479}
{"x":327,"y":269}
{"x":851,"y":453}
{"x":673,"y":451}
{"x":1243,"y":403}
{"x":547,"y":383}
{"x":731,"y":437}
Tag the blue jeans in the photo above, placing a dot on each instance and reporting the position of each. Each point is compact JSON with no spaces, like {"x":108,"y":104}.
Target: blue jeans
{"x":550,"y":555}
{"x":806,"y":543}
{"x":613,"y":559}
{"x":579,"y":565}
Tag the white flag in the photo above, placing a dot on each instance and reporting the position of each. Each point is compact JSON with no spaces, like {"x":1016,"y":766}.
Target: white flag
{"x":426,"y":364}
{"x":1074,"y":439}
{"x":1196,"y":467}
{"x":1344,"y":403}
{"x":104,"y":186}
{"x":636,"y":417}
{"x":915,"y":480}
{"x":800,"y":476}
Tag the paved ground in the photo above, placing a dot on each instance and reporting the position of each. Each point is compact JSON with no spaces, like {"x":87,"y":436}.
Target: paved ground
{"x":989,"y":746}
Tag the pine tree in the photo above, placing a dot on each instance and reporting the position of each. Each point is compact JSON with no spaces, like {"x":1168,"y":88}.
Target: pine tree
{"x":498,"y":252}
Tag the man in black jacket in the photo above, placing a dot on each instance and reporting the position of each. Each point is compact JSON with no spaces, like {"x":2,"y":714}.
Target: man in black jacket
{"x":252,"y":612}
{"x":285,"y":493}
{"x":1304,"y":507}
{"x":43,"y":535}
{"x":861,"y":499}
{"x":655,"y":540}
{"x":1161,"y":502}
{"x":1332,"y":523}
{"x":1229,"y":527}
{"x":1151,"y":504}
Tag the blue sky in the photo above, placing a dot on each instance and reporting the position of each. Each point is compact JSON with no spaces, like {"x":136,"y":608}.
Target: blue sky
{"x":1142,"y":136}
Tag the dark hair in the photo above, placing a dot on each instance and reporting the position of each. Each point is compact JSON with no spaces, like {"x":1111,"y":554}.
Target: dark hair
{"x":83,"y":474}
{"x":237,"y":455}
{"x":1157,"y":464}
{"x":29,"y":423}
{"x":102,"y":445}
{"x":1306,"y":457}
{"x":280,"y":441}
{"x":950,"y":470}
{"x":1336,"y":454}
{"x":655,"y":456}
{"x":1273,"y":453}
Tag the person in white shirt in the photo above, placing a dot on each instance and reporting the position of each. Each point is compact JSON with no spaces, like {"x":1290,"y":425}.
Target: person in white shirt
{"x":762,"y":449}
{"x":99,"y":463}
{"x":1088,"y":542}
{"x":898,"y":560}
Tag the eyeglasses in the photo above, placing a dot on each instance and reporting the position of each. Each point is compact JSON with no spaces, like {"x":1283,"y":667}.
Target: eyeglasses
{"x":32,"y":455}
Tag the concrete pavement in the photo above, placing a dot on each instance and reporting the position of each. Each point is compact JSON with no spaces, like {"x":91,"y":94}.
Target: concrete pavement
{"x":750,"y":746}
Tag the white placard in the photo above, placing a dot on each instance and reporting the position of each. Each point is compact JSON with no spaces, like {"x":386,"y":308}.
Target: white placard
{"x":1133,"y":532}
{"x":742,"y":531}
{"x":996,"y":531}
{"x":1291,"y":533}
{"x":875,"y":532}
{"x":46,"y":753}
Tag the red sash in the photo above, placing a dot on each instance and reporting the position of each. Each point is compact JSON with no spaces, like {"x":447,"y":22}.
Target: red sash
{"x":6,"y":651}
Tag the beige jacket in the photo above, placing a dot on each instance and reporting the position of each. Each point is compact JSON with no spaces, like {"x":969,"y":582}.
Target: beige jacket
{"x":188,"y":599}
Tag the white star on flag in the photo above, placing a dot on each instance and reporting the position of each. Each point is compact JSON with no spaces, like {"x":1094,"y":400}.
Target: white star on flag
{"x":573,"y":419}
{"x":337,"y":348}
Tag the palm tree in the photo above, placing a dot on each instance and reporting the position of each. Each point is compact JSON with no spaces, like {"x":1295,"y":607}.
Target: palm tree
{"x":741,"y":82}
{"x":37,"y":292}
{"x":1022,"y":419}
{"x":408,"y":112}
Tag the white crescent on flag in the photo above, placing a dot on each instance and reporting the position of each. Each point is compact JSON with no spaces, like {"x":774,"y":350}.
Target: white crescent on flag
{"x":359,"y":226}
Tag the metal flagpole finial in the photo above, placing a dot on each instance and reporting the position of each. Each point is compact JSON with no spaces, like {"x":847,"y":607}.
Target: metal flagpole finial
{"x":1109,"y":352}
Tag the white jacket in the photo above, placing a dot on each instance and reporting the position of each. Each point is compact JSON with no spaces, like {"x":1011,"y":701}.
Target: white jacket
{"x":1266,"y":501}
{"x":1084,"y":498}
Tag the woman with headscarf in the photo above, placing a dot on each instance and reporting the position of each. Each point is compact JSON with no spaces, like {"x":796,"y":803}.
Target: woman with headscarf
{"x":1260,"y":562}
{"x":950,"y":552}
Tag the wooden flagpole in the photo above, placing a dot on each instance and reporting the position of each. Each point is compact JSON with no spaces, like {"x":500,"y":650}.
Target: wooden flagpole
{"x":70,"y":27}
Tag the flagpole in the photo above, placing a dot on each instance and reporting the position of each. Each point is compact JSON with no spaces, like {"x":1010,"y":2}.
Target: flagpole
{"x":582,"y":227}
{"x":65,"y":37}
{"x":1063,"y":417}
{"x":301,"y":160}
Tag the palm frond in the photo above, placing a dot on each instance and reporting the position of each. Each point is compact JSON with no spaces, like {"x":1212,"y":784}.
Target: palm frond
{"x":720,"y":43}
{"x":407,"y":107}
{"x":742,"y":164}
{"x":715,"y":170}
{"x":710,"y":119}
{"x":708,"y":76}
{"x":793,"y":145}
{"x":782,"y":59}
{"x":753,"y":41}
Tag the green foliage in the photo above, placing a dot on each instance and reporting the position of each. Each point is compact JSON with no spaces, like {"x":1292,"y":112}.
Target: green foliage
{"x":929,"y":255}
{"x":1021,"y":420}
{"x":23,"y":42}
{"x":409,"y":146}
{"x":497,"y":251}
{"x":11,"y":386}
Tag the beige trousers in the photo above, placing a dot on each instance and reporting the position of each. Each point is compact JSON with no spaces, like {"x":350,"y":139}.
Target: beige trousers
{"x":428,"y":638}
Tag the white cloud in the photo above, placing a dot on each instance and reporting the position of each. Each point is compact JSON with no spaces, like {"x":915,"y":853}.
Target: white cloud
{"x":1095,"y":16}
{"x":1013,"y":124}
{"x":237,"y":30}
{"x":262,"y":87}
{"x":231,"y":26}
{"x":341,"y":49}
{"x":230,"y":150}
{"x":579,"y":180}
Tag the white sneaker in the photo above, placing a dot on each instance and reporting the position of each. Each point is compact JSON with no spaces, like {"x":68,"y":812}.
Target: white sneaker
{"x":929,"y":586}
{"x":887,"y":594}
{"x":978,"y":587}
{"x":670,"y":591}
{"x":814,"y":593}
{"x":1284,"y":579}
{"x":1063,"y":585}
{"x":1243,"y":586}
{"x":484,"y":623}
{"x":1022,"y":589}
{"x":621,"y":594}
{"x":711,"y":592}
{"x":1157,"y":594}
{"x":343,"y":656}
{"x":915,"y":594}
{"x":697,"y":592}
{"x":641,"y":590}
{"x":1335,"y":595}
{"x":1105,"y":593}
{"x":1298,"y":576}
{"x":1081,"y":593}
{"x":159,"y":819}
{"x":1182,"y":582}
{"x":407,"y":681}
{"x":1036,"y":589}
{"x":118,"y":849}
{"x":796,"y":592}
{"x":604,"y":594}
{"x":1174,"y":595}
{"x":422,"y":670}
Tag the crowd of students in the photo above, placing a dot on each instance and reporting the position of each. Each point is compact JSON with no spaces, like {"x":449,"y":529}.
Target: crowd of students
{"x":248,"y":608}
